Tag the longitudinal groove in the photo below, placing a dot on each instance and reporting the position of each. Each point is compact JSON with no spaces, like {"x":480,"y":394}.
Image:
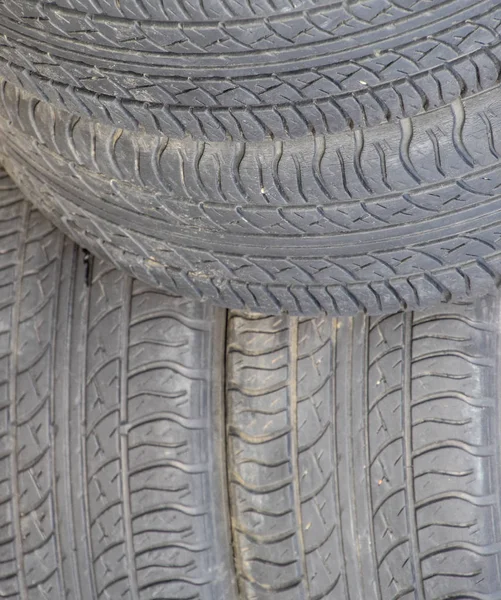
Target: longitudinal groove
{"x":55,"y":512}
{"x":82,"y":416}
{"x":63,"y":374}
{"x":364,"y":332}
{"x":407,"y":427}
{"x":218,"y":448}
{"x":343,"y":528}
{"x":124,"y":447}
{"x":12,"y":375}
{"x":294,"y":449}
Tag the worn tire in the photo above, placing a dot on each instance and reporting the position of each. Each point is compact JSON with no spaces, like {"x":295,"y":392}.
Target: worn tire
{"x":358,"y":455}
{"x":111,"y":428}
{"x":152,"y":448}
{"x":272,"y":155}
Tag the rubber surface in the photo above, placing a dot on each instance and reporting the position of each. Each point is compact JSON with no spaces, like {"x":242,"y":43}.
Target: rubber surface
{"x":111,"y":440}
{"x":154,"y":448}
{"x":183,"y":10}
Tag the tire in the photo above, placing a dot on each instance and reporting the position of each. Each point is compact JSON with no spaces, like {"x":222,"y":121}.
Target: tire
{"x":111,"y":429}
{"x":358,"y":455}
{"x":152,"y":447}
{"x":277,"y":156}
{"x":191,"y":218}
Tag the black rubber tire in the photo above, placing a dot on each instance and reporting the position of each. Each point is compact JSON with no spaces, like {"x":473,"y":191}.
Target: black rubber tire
{"x":314,"y":459}
{"x":417,"y":224}
{"x":364,"y":455}
{"x":276,"y":156}
{"x":111,"y":428}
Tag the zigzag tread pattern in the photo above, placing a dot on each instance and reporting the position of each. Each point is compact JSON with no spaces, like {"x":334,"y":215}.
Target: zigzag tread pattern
{"x":296,"y":28}
{"x":184,"y":10}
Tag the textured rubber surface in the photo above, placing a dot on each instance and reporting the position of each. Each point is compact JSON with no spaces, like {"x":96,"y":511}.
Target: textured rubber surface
{"x":364,"y":455}
{"x":111,"y":442}
{"x":152,"y":448}
{"x":397,"y":216}
{"x":317,"y":69}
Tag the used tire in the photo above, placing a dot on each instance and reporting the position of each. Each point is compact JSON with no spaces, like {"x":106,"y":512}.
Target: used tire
{"x":359,"y":452}
{"x":151,"y":447}
{"x":111,"y":428}
{"x":273,"y":156}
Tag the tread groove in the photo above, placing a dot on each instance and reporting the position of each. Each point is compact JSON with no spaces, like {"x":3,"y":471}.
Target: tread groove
{"x":53,"y":475}
{"x":13,"y":368}
{"x":408,"y":456}
{"x":294,"y":449}
{"x":82,"y":414}
{"x":364,"y":334}
{"x":124,"y":450}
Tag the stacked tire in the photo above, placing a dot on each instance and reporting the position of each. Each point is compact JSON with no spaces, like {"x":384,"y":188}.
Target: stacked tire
{"x":249,"y":313}
{"x":273,"y":156}
{"x":155,"y":447}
